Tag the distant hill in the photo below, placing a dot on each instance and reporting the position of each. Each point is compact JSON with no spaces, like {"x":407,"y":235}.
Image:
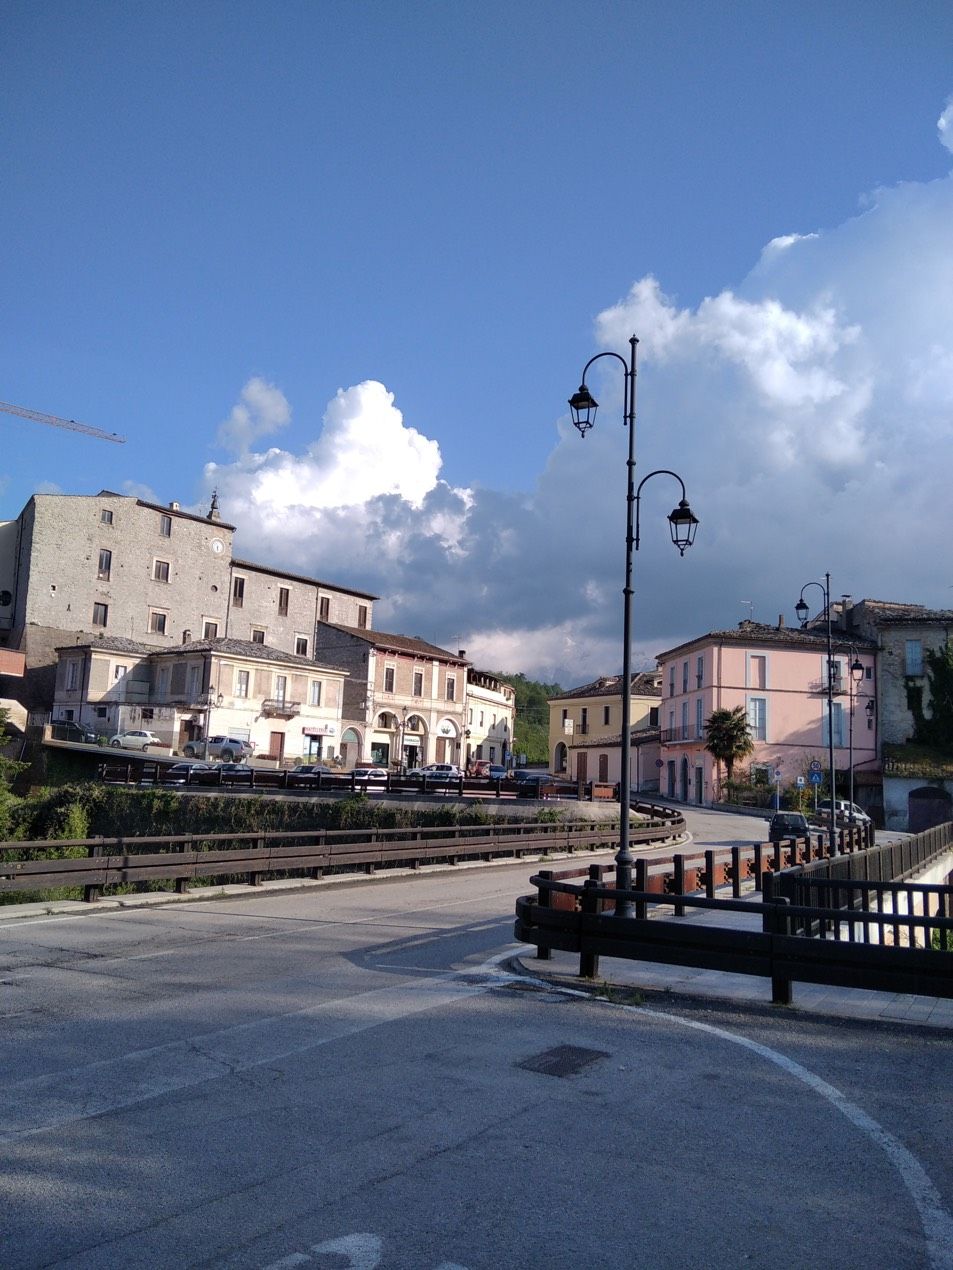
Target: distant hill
{"x":531,"y":728}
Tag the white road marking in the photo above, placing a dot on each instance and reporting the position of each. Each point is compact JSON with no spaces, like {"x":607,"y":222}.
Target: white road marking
{"x":935,"y":1219}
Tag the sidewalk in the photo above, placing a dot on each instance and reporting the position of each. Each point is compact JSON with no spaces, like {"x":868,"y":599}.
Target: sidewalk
{"x":820,"y":1000}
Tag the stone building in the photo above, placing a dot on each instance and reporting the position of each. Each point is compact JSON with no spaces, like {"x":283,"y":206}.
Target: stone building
{"x":74,"y":567}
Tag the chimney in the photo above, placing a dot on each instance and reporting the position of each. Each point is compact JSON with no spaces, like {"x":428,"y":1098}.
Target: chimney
{"x":780,"y":621}
{"x":462,"y":654}
{"x":173,"y":506}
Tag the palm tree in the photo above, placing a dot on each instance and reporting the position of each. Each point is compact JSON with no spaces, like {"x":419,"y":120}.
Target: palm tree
{"x":728,"y":737}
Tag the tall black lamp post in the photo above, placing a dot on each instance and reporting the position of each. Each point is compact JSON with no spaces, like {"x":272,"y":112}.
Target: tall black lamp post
{"x":683,"y":524}
{"x":856,"y":676}
{"x":803,"y":612}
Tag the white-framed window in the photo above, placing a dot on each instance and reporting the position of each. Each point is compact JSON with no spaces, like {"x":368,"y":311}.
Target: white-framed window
{"x":838,"y":725}
{"x":281,"y":687}
{"x":210,"y":630}
{"x":72,"y":674}
{"x":195,"y":681}
{"x":758,"y":718}
{"x":241,"y":683}
{"x":162,"y":682}
{"x":160,"y":570}
{"x":451,"y":688}
{"x":158,"y":622}
{"x":314,"y":696}
{"x":120,"y":672}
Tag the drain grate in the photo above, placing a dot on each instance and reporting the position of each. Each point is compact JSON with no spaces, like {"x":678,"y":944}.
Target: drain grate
{"x":564,"y":1060}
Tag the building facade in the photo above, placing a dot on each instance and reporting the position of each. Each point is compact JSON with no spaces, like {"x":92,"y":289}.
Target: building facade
{"x":82,"y":566}
{"x":585,"y":737}
{"x":287,"y":707}
{"x":491,"y":709}
{"x":404,"y":699}
{"x":778,"y":676}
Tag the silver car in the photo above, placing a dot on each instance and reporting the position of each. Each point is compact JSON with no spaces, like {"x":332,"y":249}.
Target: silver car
{"x":137,"y":739}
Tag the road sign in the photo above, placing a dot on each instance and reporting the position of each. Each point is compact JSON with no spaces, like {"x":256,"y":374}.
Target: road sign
{"x":800,"y":782}
{"x":815,"y":778}
{"x":815,"y":765}
{"x":777,"y":773}
{"x":659,"y":763}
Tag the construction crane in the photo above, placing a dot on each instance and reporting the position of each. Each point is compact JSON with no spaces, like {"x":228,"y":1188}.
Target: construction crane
{"x":56,"y":422}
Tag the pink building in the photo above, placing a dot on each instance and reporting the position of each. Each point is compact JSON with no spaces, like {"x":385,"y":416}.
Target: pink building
{"x":779,"y":677}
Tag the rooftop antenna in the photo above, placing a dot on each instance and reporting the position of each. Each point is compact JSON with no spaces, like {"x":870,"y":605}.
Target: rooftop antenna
{"x":750,"y":604}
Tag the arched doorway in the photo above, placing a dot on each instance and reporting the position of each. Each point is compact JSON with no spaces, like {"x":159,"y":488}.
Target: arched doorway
{"x":560,"y":757}
{"x":351,"y":747}
{"x":928,"y":806}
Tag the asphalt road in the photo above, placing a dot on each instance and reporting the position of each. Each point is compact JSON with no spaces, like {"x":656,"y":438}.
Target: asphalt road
{"x":348,"y":1077}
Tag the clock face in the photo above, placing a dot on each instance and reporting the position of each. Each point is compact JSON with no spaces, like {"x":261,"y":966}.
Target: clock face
{"x":217,"y":546}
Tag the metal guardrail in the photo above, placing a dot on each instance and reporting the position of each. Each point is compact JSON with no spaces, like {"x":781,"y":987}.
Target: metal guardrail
{"x":580,"y":918}
{"x":98,"y":863}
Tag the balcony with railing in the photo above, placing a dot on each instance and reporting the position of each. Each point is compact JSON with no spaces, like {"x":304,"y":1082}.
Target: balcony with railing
{"x":687,"y":732}
{"x":280,"y":708}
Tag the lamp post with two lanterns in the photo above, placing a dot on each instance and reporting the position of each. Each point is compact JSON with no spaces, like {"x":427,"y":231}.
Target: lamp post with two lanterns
{"x":683,"y":524}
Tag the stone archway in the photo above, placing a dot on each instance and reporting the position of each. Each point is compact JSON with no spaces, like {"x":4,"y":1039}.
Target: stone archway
{"x":351,"y":747}
{"x":560,"y":757}
{"x":928,"y":806}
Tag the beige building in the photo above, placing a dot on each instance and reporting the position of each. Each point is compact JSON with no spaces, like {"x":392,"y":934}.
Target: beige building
{"x":288,"y":707}
{"x":404,"y":699}
{"x":585,"y":731}
{"x":491,"y":708}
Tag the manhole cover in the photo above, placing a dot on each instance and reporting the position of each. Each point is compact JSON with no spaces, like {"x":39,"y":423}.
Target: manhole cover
{"x":564,"y":1060}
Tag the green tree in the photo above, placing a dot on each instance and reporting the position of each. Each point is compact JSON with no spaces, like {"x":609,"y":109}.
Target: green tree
{"x":531,"y":726}
{"x":938,"y":729}
{"x":728,"y":737}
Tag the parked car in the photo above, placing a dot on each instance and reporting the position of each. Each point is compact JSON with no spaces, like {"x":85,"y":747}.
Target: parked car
{"x":234,"y":771}
{"x":137,"y":739}
{"x":842,"y":811}
{"x":496,"y":772}
{"x":68,"y":730}
{"x":369,"y":774}
{"x":787,"y":824}
{"x":442,"y":771}
{"x":312,"y":769}
{"x":227,"y":748}
{"x":183,"y":773}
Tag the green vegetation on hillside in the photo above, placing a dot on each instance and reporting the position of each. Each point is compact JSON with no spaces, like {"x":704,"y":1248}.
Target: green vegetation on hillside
{"x":531,"y":728}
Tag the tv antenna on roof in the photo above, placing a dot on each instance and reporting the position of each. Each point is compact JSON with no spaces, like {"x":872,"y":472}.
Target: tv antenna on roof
{"x":750,"y":604}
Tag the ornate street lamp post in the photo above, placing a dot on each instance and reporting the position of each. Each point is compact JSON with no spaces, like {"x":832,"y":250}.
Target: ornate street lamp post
{"x":683,"y":524}
{"x":803,"y":612}
{"x":856,"y":675}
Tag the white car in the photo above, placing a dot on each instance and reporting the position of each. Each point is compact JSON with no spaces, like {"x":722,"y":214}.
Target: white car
{"x":137,"y":739}
{"x":842,"y":811}
{"x":443,"y":771}
{"x":369,"y":774}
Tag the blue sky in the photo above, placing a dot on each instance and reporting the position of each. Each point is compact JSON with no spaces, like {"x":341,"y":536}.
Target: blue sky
{"x":345,"y":261}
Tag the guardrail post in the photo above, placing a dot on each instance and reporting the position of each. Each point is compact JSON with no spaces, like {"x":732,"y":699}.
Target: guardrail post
{"x":758,"y":867}
{"x":254,"y":878}
{"x":641,"y":884}
{"x":678,"y":863}
{"x":775,"y":922}
{"x":544,"y":900}
{"x":182,"y":884}
{"x":92,"y":891}
{"x":709,"y":874}
{"x":589,"y":961}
